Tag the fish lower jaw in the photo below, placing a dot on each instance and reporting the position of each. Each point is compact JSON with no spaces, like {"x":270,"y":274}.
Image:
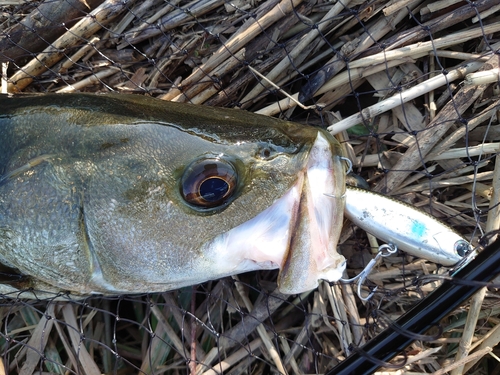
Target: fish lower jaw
{"x":260,"y":243}
{"x":313,"y":252}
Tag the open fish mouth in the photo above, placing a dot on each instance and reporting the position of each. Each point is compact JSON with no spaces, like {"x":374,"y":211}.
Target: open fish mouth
{"x":298,"y":233}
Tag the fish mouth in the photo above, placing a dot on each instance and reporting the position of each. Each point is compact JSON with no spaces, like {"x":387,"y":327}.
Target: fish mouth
{"x":312,"y":252}
{"x":299,"y":232}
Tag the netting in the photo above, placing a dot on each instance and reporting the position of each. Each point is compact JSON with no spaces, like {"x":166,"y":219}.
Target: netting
{"x":410,"y":88}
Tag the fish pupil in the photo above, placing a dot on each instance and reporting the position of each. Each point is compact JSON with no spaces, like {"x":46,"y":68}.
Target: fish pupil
{"x":209,"y":183}
{"x":213,"y":189}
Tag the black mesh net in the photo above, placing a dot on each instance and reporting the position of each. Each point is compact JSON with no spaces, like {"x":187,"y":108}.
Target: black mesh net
{"x":410,"y":88}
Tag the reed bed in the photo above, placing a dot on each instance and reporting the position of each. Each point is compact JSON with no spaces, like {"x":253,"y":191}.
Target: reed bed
{"x":409,"y":87}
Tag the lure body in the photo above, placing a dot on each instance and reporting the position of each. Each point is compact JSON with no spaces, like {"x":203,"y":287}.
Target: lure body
{"x":401,"y":224}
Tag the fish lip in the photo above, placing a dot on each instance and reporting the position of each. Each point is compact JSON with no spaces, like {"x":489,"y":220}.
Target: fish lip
{"x":315,"y":226}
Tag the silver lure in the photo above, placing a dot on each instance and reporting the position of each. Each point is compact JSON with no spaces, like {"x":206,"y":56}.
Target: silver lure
{"x":401,"y":224}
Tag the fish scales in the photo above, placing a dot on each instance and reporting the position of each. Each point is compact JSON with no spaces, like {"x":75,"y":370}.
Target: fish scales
{"x":112,"y":194}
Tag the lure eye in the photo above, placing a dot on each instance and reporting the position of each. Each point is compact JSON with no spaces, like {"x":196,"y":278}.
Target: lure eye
{"x":209,"y":183}
{"x":462,"y":247}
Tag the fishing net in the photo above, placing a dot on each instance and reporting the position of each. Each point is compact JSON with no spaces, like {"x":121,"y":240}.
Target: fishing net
{"x":409,"y":87}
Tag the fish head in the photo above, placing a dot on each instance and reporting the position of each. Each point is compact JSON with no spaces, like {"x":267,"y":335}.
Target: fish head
{"x":169,"y":195}
{"x":229,"y":192}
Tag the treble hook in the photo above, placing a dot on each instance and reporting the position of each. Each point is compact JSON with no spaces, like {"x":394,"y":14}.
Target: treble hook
{"x":383,"y":251}
{"x":349,"y":164}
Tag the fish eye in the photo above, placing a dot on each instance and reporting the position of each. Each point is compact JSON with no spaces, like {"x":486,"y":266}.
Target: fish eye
{"x":462,"y":247}
{"x":265,"y":153}
{"x":209,"y":183}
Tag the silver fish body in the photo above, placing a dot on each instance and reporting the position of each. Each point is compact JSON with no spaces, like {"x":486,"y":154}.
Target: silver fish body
{"x":401,"y":224}
{"x":118,"y":194}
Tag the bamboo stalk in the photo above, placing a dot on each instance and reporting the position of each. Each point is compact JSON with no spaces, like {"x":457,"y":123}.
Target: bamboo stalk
{"x":483,"y":176}
{"x":482,"y":78}
{"x":362,"y":44}
{"x":48,"y":20}
{"x":454,"y":17}
{"x":234,"y":358}
{"x":273,"y":353}
{"x":79,"y":54}
{"x":90,"y":80}
{"x":490,"y":340}
{"x":459,"y":55}
{"x":473,"y":357}
{"x":83,"y":355}
{"x":486,"y":13}
{"x":395,"y":6}
{"x":426,"y":140}
{"x":83,"y":30}
{"x":339,"y":80}
{"x":422,"y":48}
{"x":441,"y":4}
{"x":211,"y":88}
{"x":403,"y":97}
{"x":464,"y":152}
{"x":172,"y":19}
{"x":470,"y":326}
{"x":493,"y":218}
{"x":460,"y":133}
{"x":282,"y":66}
{"x":234,"y":44}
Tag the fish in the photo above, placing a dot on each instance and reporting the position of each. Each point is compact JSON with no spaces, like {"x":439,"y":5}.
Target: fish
{"x":124,"y":194}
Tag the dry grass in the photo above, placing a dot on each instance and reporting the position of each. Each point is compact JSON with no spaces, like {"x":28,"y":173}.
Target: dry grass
{"x":409,"y":87}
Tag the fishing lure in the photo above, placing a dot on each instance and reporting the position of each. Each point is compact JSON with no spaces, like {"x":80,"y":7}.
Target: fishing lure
{"x":402,"y":226}
{"x":410,"y":229}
